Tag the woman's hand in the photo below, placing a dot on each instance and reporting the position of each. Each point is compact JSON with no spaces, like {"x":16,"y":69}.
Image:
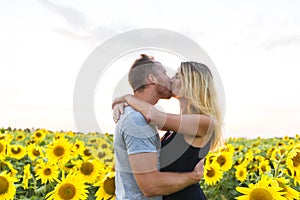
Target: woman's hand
{"x":118,"y":110}
{"x":122,"y":99}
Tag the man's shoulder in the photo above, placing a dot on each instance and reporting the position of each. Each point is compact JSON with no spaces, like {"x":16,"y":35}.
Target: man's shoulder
{"x":132,"y":116}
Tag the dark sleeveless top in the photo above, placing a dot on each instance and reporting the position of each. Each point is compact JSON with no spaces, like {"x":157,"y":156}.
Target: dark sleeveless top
{"x":178,"y":156}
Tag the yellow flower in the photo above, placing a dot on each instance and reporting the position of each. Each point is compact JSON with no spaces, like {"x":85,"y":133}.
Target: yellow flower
{"x":47,"y":172}
{"x":7,"y":187}
{"x":90,"y":170}
{"x":264,"y":167}
{"x":20,"y":136}
{"x":286,"y":138}
{"x":59,"y":151}
{"x":16,"y":151}
{"x":261,"y":191}
{"x":293,"y":161}
{"x":291,"y":193}
{"x":87,"y":153}
{"x":34,"y":151}
{"x":107,"y":187}
{"x":3,"y":145}
{"x":241,"y":173}
{"x":9,"y":166}
{"x":78,"y":148}
{"x":26,"y":176}
{"x":39,"y":135}
{"x":70,"y":187}
{"x":212,"y":173}
{"x":224,"y":159}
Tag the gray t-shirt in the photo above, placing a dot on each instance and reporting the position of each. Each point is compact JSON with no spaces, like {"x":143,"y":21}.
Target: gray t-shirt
{"x":133,"y":135}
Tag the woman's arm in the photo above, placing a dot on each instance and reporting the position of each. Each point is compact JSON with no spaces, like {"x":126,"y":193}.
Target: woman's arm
{"x":187,"y":124}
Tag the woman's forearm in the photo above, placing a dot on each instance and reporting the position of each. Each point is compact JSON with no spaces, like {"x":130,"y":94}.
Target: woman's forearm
{"x":150,"y":113}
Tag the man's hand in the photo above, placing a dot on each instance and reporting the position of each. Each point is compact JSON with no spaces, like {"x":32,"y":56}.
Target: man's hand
{"x":122,"y":99}
{"x":118,"y":111}
{"x":199,"y":170}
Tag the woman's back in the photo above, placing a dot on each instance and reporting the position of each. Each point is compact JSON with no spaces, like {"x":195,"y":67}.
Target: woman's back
{"x":178,"y":156}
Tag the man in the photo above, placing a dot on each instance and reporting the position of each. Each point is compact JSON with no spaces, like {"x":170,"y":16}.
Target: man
{"x":137,"y":143}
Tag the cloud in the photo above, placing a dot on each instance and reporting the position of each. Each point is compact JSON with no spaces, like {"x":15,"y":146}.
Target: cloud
{"x":73,"y":17}
{"x":81,"y":29}
{"x":282,"y":42}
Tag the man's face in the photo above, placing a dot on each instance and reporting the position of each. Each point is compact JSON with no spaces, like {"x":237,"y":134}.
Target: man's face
{"x":164,"y":84}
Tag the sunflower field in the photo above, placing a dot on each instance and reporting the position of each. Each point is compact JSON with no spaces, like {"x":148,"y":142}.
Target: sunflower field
{"x":41,"y":164}
{"x":257,"y":169}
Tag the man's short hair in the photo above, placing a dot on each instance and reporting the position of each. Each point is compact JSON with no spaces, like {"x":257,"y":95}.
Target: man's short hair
{"x":140,"y":70}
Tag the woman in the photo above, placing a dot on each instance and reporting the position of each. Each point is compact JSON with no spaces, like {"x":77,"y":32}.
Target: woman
{"x":199,"y":121}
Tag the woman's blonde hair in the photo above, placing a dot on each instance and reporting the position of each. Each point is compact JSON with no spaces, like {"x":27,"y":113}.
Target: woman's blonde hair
{"x":198,"y":90}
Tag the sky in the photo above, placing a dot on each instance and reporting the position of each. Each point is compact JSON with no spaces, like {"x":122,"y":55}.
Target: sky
{"x":254,"y":46}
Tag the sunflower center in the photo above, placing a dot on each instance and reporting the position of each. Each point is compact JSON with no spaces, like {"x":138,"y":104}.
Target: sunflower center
{"x":16,"y":151}
{"x":101,"y":154}
{"x":35,"y":152}
{"x":241,"y":173}
{"x":20,"y":137}
{"x":67,"y":191}
{"x":3,"y":185}
{"x":59,"y":151}
{"x":87,"y":152}
{"x":109,"y":186}
{"x":1,"y":147}
{"x":296,"y":160}
{"x":77,"y":146}
{"x":221,"y":160}
{"x":38,"y":134}
{"x":211,"y":172}
{"x":87,"y":168}
{"x":263,"y":168}
{"x":260,"y":194}
{"x":47,"y":171}
{"x":104,"y":146}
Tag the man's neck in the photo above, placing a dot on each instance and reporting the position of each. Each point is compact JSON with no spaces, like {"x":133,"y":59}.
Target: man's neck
{"x":147,"y":96}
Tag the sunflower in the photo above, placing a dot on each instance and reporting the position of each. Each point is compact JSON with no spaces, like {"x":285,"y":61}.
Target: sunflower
{"x":212,"y":173}
{"x":26,"y":176}
{"x":264,"y":167}
{"x":59,"y":151}
{"x":293,"y":160}
{"x":9,"y":166}
{"x":241,"y":173}
{"x":107,"y":187}
{"x":70,"y":187}
{"x":3,"y":145}
{"x":78,"y":148}
{"x":224,"y":159}
{"x":90,"y":170}
{"x":262,"y":190}
{"x":20,"y":136}
{"x":286,"y":138}
{"x":39,"y":135}
{"x":87,"y":153}
{"x":7,"y":187}
{"x":47,"y":172}
{"x":291,"y":143}
{"x":16,"y":151}
{"x":291,"y":193}
{"x":34,"y":151}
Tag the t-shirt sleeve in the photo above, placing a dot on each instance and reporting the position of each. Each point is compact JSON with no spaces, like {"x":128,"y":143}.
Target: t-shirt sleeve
{"x":139,"y":136}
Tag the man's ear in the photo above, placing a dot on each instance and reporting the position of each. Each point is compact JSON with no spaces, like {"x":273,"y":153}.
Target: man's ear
{"x":152,"y":78}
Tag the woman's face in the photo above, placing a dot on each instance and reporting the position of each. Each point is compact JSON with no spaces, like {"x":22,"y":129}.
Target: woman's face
{"x":176,"y":83}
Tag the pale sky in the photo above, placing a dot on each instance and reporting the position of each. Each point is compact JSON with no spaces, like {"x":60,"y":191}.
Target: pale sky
{"x":254,"y":45}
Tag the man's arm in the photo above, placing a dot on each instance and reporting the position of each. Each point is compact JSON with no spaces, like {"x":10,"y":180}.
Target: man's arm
{"x":154,"y":183}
